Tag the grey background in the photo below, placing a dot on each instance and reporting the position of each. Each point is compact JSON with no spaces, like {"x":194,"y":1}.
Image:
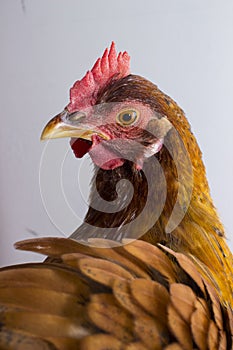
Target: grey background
{"x":183,"y":46}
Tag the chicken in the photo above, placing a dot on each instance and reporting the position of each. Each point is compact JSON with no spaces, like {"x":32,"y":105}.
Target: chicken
{"x":149,"y":268}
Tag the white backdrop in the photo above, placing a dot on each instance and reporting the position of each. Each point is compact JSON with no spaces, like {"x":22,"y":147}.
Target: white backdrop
{"x":185,"y":47}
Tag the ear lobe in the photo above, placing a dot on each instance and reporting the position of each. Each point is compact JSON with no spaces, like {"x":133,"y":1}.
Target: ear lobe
{"x":159,"y":127}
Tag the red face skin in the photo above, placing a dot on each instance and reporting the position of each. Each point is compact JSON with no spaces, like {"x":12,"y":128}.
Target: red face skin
{"x":122,"y":139}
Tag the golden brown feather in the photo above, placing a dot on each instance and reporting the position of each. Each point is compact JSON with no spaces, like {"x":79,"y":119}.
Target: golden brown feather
{"x":110,"y":298}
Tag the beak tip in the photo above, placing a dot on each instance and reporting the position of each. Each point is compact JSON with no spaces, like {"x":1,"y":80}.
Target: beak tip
{"x":44,"y":135}
{"x":50,"y":130}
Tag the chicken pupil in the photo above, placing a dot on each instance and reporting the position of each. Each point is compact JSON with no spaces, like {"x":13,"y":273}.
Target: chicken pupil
{"x":127,"y":117}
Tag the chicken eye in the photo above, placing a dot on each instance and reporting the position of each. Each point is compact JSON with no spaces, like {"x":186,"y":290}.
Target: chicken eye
{"x":127,"y":117}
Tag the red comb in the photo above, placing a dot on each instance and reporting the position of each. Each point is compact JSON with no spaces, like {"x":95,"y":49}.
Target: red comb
{"x":84,"y":92}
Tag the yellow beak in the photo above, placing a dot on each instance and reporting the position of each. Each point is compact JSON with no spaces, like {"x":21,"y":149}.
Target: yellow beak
{"x":63,"y":126}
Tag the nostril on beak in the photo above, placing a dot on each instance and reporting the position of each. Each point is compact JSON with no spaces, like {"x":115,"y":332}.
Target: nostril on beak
{"x":76,"y":117}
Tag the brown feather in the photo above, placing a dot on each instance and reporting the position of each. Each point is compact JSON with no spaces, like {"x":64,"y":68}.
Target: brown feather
{"x":94,"y":300}
{"x":101,"y":342}
{"x":179,"y":328}
{"x":200,"y":323}
{"x":183,"y":299}
{"x":106,"y":314}
{"x":151,"y":296}
{"x":213,"y":336}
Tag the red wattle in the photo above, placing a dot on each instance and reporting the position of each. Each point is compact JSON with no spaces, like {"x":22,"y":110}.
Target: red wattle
{"x":80,"y":147}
